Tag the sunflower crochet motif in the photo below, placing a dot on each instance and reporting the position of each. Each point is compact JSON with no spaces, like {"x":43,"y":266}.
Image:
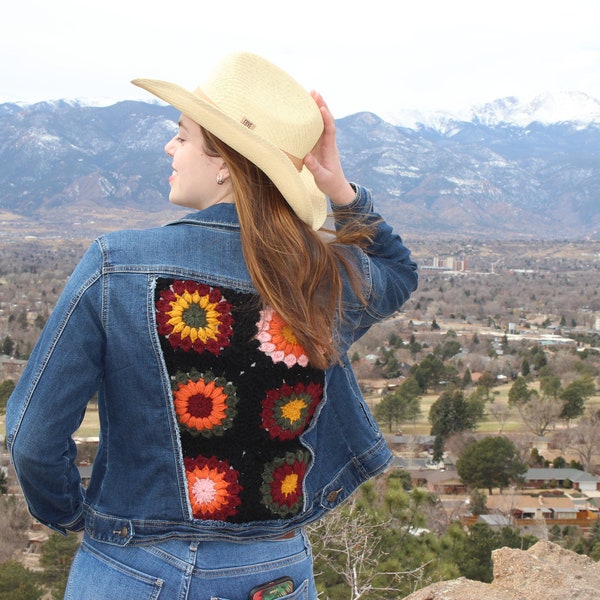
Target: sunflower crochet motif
{"x":278,"y":340}
{"x":243,"y":393}
{"x":287,"y":410}
{"x":204,"y":404}
{"x":282,"y":487}
{"x":194,"y":316}
{"x":213,"y":486}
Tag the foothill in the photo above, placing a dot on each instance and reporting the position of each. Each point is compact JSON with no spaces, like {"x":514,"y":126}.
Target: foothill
{"x":485,"y":386}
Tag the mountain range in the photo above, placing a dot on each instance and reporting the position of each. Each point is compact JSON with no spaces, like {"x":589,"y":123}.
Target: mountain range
{"x":507,"y":169}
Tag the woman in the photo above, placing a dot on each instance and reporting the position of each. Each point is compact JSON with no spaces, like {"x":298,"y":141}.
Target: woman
{"x":229,"y":414}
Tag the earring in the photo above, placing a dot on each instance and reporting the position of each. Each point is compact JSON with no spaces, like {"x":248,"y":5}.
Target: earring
{"x":220,"y":179}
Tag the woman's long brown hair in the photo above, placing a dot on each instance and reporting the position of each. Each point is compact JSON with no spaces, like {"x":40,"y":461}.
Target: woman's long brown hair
{"x":296,"y":270}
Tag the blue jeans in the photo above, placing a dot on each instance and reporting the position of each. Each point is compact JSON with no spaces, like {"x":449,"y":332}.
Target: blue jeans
{"x":184,"y":570}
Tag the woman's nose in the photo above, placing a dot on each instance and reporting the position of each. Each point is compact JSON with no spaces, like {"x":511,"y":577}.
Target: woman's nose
{"x":169,"y":147}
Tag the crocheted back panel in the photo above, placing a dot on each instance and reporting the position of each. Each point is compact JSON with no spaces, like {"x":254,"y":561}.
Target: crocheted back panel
{"x":243,"y":392}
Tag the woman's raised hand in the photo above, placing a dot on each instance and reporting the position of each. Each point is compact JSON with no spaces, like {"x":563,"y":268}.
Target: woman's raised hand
{"x":324,"y":160}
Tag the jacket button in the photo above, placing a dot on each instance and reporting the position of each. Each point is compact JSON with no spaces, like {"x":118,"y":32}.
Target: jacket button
{"x":123,"y":532}
{"x":333,"y":496}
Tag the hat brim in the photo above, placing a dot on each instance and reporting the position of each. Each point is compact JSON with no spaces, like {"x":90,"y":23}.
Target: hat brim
{"x":297,"y":187}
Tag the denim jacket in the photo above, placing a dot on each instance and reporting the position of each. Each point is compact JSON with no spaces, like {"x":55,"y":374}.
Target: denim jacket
{"x":101,"y":338}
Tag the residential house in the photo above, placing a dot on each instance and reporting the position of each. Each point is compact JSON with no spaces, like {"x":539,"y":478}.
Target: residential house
{"x":551,"y":509}
{"x":440,"y":482}
{"x":575,"y":478}
{"x":495,"y":521}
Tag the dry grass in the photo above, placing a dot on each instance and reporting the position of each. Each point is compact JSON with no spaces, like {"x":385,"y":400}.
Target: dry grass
{"x":90,"y":425}
{"x":489,"y":424}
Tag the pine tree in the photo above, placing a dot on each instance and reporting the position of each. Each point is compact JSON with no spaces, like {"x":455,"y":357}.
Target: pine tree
{"x":57,"y":556}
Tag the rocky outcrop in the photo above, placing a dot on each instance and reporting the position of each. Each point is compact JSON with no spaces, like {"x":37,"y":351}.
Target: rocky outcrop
{"x":545,"y":571}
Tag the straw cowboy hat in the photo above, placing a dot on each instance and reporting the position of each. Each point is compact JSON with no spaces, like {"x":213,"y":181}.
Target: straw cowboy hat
{"x":264,"y":114}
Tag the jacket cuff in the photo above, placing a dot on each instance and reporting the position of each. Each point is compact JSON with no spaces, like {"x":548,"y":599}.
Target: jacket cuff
{"x":78,"y":524}
{"x":362,"y":203}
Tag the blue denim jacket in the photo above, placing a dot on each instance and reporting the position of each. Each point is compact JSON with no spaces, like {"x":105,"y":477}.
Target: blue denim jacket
{"x":101,"y":338}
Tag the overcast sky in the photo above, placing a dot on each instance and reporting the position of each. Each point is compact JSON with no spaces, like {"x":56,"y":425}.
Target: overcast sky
{"x":379,"y":55}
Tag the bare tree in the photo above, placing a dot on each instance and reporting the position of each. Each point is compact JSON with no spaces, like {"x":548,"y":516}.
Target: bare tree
{"x":349,"y":543}
{"x":523,"y":444}
{"x":585,"y":439}
{"x":14,"y":522}
{"x":540,"y":413}
{"x":500,"y":412}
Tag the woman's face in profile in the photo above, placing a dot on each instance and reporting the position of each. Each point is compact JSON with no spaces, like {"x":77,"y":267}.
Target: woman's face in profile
{"x":194,"y":178}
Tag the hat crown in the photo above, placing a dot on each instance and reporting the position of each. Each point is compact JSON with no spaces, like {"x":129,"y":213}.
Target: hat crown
{"x":266,"y":116}
{"x":264,"y":98}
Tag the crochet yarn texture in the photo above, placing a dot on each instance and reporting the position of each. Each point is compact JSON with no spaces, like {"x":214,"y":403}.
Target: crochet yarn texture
{"x":243,"y":393}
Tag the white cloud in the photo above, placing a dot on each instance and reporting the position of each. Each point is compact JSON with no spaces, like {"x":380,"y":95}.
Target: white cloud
{"x":379,"y":55}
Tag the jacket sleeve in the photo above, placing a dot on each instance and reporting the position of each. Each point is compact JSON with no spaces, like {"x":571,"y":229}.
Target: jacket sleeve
{"x":388,"y":272}
{"x":49,"y":401}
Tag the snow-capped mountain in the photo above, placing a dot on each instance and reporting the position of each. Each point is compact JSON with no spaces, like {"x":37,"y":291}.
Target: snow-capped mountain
{"x":547,"y":108}
{"x":507,"y":169}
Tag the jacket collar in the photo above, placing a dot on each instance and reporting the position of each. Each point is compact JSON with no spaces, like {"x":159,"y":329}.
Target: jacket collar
{"x":217,"y":214}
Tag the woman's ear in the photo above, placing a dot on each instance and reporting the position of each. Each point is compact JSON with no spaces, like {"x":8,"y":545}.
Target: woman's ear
{"x":223,"y":174}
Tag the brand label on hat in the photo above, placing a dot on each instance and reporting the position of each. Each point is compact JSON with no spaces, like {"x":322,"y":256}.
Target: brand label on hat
{"x":247,"y":123}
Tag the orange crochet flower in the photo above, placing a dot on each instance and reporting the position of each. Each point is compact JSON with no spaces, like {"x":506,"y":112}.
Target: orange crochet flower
{"x":278,"y":340}
{"x":204,"y":404}
{"x":213,"y":488}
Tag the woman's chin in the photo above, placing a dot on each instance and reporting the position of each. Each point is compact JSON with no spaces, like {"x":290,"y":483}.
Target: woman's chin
{"x":179,"y":201}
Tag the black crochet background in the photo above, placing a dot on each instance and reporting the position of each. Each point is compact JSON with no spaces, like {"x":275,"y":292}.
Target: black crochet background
{"x":246,"y":445}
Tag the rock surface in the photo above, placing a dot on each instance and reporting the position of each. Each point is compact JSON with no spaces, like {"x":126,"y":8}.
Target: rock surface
{"x":545,"y":571}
